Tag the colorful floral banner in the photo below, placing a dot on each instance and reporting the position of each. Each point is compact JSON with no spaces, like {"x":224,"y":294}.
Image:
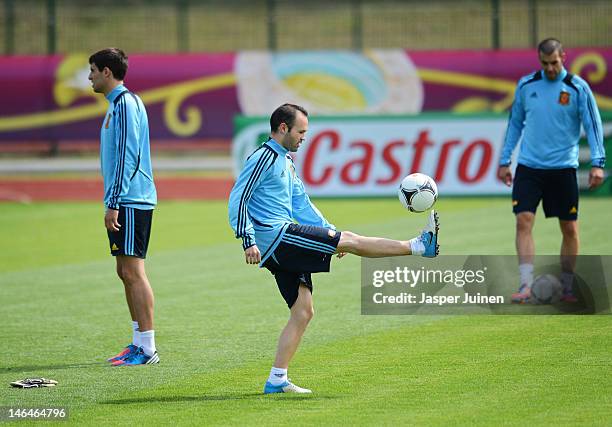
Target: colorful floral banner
{"x":195,"y":96}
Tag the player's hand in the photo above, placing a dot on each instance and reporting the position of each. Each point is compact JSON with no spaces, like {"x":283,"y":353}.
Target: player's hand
{"x":596,"y":178}
{"x":504,"y":173}
{"x":252,"y":255}
{"x":111,"y":220}
{"x":340,"y":254}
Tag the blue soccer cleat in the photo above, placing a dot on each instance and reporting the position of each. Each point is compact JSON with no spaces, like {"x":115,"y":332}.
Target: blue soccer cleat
{"x":523,"y":296}
{"x":286,"y":387}
{"x":131,"y":348}
{"x":429,"y":236}
{"x":138,"y":358}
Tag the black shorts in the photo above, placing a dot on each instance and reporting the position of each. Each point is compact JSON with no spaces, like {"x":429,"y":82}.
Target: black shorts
{"x":132,"y":239}
{"x":304,"y":249}
{"x":557,"y":188}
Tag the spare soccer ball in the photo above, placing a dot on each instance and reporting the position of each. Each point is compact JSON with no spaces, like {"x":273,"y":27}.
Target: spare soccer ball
{"x":418,"y":192}
{"x":546,"y":289}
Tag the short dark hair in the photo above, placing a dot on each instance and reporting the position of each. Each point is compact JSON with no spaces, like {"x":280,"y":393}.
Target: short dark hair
{"x":550,"y":46}
{"x":285,"y":114}
{"x":114,"y":59}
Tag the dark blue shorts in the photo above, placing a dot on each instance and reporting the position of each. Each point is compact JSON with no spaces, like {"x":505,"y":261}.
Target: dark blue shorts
{"x":557,"y":188}
{"x":132,"y":239}
{"x":304,"y":249}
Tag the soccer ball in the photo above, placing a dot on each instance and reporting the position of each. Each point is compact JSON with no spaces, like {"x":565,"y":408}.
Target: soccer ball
{"x":417,"y":192}
{"x":546,"y":289}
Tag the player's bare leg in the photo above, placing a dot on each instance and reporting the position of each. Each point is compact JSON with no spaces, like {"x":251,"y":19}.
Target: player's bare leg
{"x":372,"y":247}
{"x":128,"y":293}
{"x":288,"y":342}
{"x":133,"y":346}
{"x":135,"y":279}
{"x":377,"y":247}
{"x":570,"y":245}
{"x":525,"y":249}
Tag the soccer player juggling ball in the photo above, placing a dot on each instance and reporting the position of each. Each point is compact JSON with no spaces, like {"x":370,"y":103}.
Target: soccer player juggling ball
{"x":284,"y":232}
{"x":129,"y":196}
{"x":549,"y":106}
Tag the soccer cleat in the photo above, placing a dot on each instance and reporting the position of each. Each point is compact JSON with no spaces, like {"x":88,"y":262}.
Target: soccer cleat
{"x":523,"y":295}
{"x":138,"y":357}
{"x":286,"y":387}
{"x":131,"y":348}
{"x":568,"y":296}
{"x":429,"y":236}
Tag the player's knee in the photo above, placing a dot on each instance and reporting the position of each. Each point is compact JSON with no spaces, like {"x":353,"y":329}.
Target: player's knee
{"x":309,"y":314}
{"x":130,"y":276}
{"x":120,"y":272}
{"x":302,"y":315}
{"x":305,"y":315}
{"x":524,"y":223}
{"x":570,"y":230}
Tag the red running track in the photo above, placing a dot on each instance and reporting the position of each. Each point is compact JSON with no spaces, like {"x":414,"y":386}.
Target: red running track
{"x":91,"y":189}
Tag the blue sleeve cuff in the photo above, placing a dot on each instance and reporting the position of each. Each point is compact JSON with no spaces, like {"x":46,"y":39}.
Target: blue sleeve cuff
{"x":247,"y":242}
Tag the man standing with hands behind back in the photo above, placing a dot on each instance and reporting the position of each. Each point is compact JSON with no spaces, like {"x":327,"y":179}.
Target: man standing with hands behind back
{"x":549,"y":107}
{"x":129,"y":197}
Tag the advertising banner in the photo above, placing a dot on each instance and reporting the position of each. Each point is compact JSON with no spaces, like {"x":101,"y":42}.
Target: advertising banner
{"x":195,"y":96}
{"x":369,"y":156}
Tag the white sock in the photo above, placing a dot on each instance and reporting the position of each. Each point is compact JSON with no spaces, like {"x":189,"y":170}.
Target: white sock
{"x":147,"y":342}
{"x":134,"y":332}
{"x":526,"y":272}
{"x":136,"y":339}
{"x":567,"y":279}
{"x":277,"y":376}
{"x":416,"y":246}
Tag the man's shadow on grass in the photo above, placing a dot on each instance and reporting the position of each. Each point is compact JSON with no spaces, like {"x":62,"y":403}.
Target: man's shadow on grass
{"x":209,"y":397}
{"x":31,"y":368}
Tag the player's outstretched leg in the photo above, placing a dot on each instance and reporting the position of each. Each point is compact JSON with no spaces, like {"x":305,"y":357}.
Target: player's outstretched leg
{"x":426,"y":244}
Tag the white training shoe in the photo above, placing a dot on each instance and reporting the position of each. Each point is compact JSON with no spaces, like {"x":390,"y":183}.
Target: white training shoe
{"x":286,"y":387}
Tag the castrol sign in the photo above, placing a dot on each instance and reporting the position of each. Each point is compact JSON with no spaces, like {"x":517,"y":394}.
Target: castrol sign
{"x":369,"y":156}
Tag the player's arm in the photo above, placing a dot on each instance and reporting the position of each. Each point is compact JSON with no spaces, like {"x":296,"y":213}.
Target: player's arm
{"x":127,"y":149}
{"x":591,"y":121}
{"x":249,"y":179}
{"x":304,"y":211}
{"x":516,"y":122}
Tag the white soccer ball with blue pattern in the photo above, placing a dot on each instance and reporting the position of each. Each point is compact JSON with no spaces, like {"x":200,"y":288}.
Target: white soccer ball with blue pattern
{"x":418,"y":192}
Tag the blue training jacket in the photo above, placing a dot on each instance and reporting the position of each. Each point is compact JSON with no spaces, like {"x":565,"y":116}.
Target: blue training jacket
{"x":125,"y":154}
{"x":267,"y":197}
{"x":548,"y":114}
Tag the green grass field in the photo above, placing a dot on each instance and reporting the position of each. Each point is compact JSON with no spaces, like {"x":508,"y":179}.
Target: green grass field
{"x":217,"y":322}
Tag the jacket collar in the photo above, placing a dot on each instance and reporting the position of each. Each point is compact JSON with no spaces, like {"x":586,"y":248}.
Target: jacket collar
{"x":560,"y":76}
{"x":277,"y":147}
{"x":115,"y":93}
